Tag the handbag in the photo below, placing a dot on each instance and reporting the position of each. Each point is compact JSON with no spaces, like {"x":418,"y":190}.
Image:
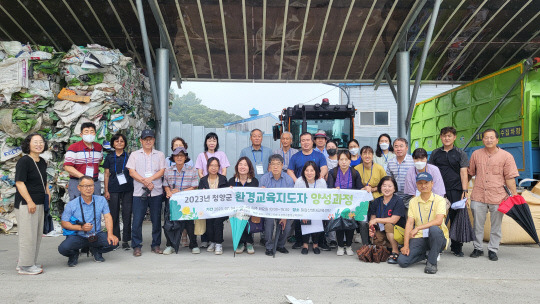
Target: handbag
{"x":399,"y":234}
{"x":255,"y":227}
{"x":200,"y":227}
{"x":48,"y":224}
{"x":341,"y":223}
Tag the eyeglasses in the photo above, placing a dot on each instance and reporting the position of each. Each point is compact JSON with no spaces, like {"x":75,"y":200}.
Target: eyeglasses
{"x":86,"y":186}
{"x":39,"y":143}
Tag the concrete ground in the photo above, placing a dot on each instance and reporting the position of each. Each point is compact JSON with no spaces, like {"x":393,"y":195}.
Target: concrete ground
{"x":326,"y":278}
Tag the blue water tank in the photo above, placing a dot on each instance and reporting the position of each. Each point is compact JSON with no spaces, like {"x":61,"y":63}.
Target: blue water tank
{"x":254,"y":112}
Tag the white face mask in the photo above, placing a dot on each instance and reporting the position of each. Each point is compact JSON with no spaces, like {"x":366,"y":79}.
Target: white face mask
{"x":384,"y":146}
{"x":89,"y":138}
{"x":420,"y":165}
{"x":354,"y":151}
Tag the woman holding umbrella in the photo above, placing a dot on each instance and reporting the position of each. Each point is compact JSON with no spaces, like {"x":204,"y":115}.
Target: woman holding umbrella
{"x":244,"y":176}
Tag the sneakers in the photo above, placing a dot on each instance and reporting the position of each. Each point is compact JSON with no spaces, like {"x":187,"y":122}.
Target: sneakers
{"x":340,"y":251}
{"x":282,"y":250}
{"x":168,"y":250}
{"x":204,"y":244}
{"x":211,"y":247}
{"x":493,"y":256}
{"x":349,"y":251}
{"x":325,"y":247}
{"x":357,"y":238}
{"x":30,"y":270}
{"x":195,"y":250}
{"x":333,"y":244}
{"x":457,"y":253}
{"x":430,"y":268}
{"x":219,"y":249}
{"x":98,"y":257}
{"x":240,"y":249}
{"x":297,"y":246}
{"x":73,"y":260}
{"x":250,"y":249}
{"x":476,"y":253}
{"x":439,"y":257}
{"x":125,"y":246}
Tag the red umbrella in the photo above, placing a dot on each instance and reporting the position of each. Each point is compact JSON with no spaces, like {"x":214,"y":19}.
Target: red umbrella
{"x":516,"y":207}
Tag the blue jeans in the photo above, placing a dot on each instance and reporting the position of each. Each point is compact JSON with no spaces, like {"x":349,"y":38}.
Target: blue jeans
{"x":139,"y":210}
{"x":73,"y":243}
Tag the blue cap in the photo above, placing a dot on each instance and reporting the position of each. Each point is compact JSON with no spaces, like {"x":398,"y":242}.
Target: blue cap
{"x":147,"y":133}
{"x":424,"y":176}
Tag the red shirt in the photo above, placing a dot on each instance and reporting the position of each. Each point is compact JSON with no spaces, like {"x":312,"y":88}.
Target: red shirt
{"x":79,"y":156}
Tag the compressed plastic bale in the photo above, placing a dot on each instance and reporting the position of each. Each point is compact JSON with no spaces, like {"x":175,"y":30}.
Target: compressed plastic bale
{"x":13,"y":76}
{"x":9,"y":152}
{"x":12,"y":129}
{"x":69,"y":111}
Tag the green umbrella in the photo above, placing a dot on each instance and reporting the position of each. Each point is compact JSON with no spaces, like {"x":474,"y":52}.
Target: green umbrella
{"x":238,"y":224}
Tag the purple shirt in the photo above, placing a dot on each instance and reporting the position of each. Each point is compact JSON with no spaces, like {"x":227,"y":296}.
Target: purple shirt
{"x":438,"y":184}
{"x":201,"y":161}
{"x":344,"y":181}
{"x":144,"y":163}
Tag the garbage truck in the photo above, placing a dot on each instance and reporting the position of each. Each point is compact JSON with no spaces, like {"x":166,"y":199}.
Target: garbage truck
{"x":336,"y":120}
{"x":507,"y":101}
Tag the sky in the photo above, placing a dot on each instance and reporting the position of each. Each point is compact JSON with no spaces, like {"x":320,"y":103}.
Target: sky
{"x":239,"y":98}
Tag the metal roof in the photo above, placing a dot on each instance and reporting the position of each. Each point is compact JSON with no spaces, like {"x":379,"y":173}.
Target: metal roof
{"x":290,"y":40}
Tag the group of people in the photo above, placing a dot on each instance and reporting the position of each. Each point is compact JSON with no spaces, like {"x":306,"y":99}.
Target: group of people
{"x":409,"y":193}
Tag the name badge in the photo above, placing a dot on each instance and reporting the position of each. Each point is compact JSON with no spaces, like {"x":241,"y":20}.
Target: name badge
{"x":425,"y":233}
{"x":260,"y":169}
{"x":381,"y":227}
{"x":89,"y":171}
{"x":148,"y":174}
{"x":385,"y":167}
{"x":417,"y":193}
{"x":121,"y":178}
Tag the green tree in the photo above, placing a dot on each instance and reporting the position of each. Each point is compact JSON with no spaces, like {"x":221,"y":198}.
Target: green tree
{"x":189,"y":110}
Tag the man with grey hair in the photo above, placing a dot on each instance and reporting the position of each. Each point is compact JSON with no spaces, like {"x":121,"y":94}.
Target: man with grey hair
{"x":276,"y":178}
{"x":257,"y":153}
{"x":286,"y":151}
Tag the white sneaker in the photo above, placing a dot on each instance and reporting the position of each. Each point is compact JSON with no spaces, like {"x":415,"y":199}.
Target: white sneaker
{"x":31,"y":270}
{"x":349,"y":251}
{"x":250,"y":249}
{"x":219,"y":249}
{"x":240,"y":249}
{"x":211,"y":247}
{"x":340,"y":251}
{"x":168,"y":250}
{"x":439,"y":257}
{"x":195,"y":250}
{"x":357,"y":238}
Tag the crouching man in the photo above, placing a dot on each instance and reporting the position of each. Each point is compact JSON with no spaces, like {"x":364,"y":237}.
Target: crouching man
{"x":425,"y":230}
{"x":81,"y":221}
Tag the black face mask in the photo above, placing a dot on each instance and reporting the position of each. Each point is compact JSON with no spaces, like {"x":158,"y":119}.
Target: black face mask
{"x":331,"y":152}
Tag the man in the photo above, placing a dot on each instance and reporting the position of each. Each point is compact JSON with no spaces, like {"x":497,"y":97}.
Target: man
{"x":398,"y":167}
{"x":83,"y":158}
{"x":425,"y":229}
{"x":494,"y":168}
{"x":453,"y":164}
{"x":146,"y":166}
{"x":82,"y":217}
{"x":276,"y":178}
{"x":257,"y":154}
{"x":286,"y":151}
{"x":420,"y":165}
{"x":320,"y":142}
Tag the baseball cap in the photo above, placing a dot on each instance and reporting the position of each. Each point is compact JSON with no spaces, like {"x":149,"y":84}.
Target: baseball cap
{"x":147,"y":133}
{"x":424,"y":176}
{"x":320,"y":133}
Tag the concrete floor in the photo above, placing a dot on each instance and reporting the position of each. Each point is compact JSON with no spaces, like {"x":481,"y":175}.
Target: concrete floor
{"x":326,"y":278}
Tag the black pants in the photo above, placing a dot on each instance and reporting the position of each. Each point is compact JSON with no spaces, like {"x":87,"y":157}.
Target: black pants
{"x":188,"y":225}
{"x":246,"y":237}
{"x":124,"y":199}
{"x":214,"y":229}
{"x":314,"y":237}
{"x":454,"y":196}
{"x":297,"y":231}
{"x":418,"y":247}
{"x":348,"y":234}
{"x":73,"y":243}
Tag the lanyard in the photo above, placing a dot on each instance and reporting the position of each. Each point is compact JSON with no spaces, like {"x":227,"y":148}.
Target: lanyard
{"x":385,"y":158}
{"x":82,"y":213}
{"x":367,"y":183}
{"x":431,"y":208}
{"x":182,"y":182}
{"x":123,"y":166}
{"x":385,"y":207}
{"x":349,"y":177}
{"x":253,"y":152}
{"x":236,"y":182}
{"x":85,"y":159}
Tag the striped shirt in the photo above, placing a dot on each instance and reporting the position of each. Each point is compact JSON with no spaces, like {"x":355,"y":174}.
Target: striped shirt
{"x":186,"y":178}
{"x":399,"y":171}
{"x":80,"y":156}
{"x":147,"y":165}
{"x":286,"y":156}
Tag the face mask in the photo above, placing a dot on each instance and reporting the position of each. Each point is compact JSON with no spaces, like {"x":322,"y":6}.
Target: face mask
{"x":331,"y":152}
{"x":354,"y":151}
{"x":89,"y":138}
{"x":384,"y":146}
{"x":420,"y":165}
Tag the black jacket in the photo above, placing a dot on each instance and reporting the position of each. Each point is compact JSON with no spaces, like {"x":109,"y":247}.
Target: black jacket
{"x":222,"y":182}
{"x":356,"y":178}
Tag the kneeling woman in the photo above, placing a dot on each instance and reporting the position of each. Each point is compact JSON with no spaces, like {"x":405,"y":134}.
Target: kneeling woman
{"x":214,"y":226}
{"x":385,"y":212}
{"x":311,"y":178}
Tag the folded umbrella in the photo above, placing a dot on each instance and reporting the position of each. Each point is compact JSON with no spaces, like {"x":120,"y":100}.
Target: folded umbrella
{"x":238,"y":225}
{"x":516,"y":207}
{"x":461,"y":229}
{"x":279,"y":230}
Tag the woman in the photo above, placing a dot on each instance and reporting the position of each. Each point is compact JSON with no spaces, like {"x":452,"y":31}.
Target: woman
{"x":119,"y":187}
{"x":344,"y":177}
{"x":311,"y":174}
{"x":179,"y":142}
{"x":354,"y":149}
{"x":214,"y":226}
{"x":370,"y":172}
{"x":332,"y":159}
{"x":180,"y":177}
{"x":384,"y":151}
{"x":244,"y":176}
{"x":32,"y":193}
{"x":211,"y":146}
{"x":385,"y":212}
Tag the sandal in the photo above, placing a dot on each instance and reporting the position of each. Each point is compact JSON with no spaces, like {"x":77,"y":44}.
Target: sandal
{"x":393,"y":258}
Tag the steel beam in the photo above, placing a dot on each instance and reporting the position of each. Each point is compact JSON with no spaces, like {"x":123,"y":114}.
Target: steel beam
{"x":163,"y":85}
{"x":55,"y":21}
{"x":245,"y":38}
{"x":302,"y":39}
{"x":126,"y":33}
{"x":181,"y":17}
{"x":316,"y":62}
{"x":283,"y":32}
{"x":521,"y":48}
{"x":18,"y":25}
{"x":6,"y":33}
{"x":205,"y":39}
{"x":78,"y":22}
{"x":340,"y":38}
{"x":263,"y":49}
{"x":225,"y":38}
{"x":403,"y":90}
{"x":391,"y":85}
{"x":134,"y":7}
{"x":111,"y":44}
{"x":359,"y":38}
{"x":58,"y":48}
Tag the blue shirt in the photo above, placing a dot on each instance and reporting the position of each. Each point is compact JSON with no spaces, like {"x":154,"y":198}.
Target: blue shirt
{"x":73,"y":209}
{"x":257,"y":157}
{"x":268,"y":181}
{"x":323,"y":151}
{"x":299,"y":159}
{"x":286,"y":156}
{"x":117,"y":164}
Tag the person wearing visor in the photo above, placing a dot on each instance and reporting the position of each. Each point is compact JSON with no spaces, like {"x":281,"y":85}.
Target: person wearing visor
{"x":83,"y":158}
{"x":81,"y":221}
{"x":425,"y":231}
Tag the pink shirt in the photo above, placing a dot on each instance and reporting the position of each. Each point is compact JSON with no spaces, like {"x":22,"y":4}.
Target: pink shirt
{"x":144,"y":163}
{"x":491,"y":173}
{"x":201,"y":161}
